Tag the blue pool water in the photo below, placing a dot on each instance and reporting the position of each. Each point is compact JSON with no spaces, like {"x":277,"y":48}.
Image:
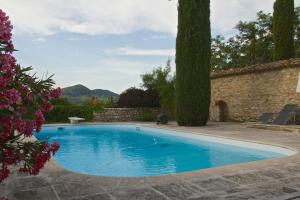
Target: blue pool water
{"x":128,"y":151}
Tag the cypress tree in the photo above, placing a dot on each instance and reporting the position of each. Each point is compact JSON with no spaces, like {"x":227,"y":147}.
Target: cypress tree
{"x":193,"y":55}
{"x":283,"y":29}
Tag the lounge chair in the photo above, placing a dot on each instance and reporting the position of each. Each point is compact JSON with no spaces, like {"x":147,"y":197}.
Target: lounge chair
{"x":285,"y":114}
{"x":266,"y":118}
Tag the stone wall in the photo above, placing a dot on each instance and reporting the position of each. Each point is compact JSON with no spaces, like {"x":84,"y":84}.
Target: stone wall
{"x":249,"y":92}
{"x":123,"y":114}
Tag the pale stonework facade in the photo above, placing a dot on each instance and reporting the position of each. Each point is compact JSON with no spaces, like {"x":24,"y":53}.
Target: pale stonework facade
{"x":248,"y":92}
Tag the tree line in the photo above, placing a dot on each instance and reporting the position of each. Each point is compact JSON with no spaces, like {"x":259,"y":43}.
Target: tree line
{"x":254,"y":42}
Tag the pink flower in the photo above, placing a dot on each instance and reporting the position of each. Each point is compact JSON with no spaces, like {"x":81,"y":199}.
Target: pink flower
{"x":22,"y":110}
{"x":5,"y":27}
{"x":13,"y":96}
{"x":7,"y":128}
{"x":40,"y":120}
{"x":10,"y":46}
{"x":3,"y":82}
{"x":55,"y":146}
{"x":47,"y":107}
{"x":56,"y":93}
{"x":40,"y":161}
{"x":10,"y":158}
{"x":28,"y":131}
{"x":20,"y":125}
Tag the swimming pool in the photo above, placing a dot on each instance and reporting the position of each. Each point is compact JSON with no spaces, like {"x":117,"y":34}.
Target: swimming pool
{"x":131,"y":151}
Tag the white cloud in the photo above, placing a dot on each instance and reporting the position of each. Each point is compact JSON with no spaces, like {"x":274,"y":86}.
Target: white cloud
{"x":74,"y":39}
{"x":141,"y":52}
{"x":226,"y":14}
{"x":91,"y":17}
{"x":39,"y":40}
{"x":120,"y":16}
{"x":159,"y":37}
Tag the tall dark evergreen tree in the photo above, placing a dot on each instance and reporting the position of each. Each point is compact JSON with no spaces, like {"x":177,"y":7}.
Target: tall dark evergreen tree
{"x":283,"y":29}
{"x":193,"y":55}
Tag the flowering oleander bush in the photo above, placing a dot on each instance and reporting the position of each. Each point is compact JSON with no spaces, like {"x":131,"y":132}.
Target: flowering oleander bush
{"x":23,"y":101}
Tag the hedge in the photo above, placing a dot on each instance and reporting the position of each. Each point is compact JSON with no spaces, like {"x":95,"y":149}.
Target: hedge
{"x":60,"y":113}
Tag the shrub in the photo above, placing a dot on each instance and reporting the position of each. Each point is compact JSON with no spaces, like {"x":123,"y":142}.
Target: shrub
{"x":60,"y":113}
{"x":283,"y":29}
{"x":24,"y":99}
{"x":162,"y":81}
{"x":63,"y":109}
{"x":193,"y":55}
{"x":60,"y":101}
{"x":94,"y":104}
{"x":151,"y":99}
{"x":131,"y":98}
{"x":110,"y":103}
{"x":136,"y":98}
{"x":147,"y":116}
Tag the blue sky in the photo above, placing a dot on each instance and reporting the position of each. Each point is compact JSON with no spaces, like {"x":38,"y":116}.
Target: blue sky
{"x":108,"y":45}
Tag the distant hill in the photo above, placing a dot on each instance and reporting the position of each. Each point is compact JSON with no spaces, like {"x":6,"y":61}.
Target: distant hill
{"x":79,"y":93}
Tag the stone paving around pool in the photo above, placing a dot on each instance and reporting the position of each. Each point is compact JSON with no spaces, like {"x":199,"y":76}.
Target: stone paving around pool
{"x":261,"y":180}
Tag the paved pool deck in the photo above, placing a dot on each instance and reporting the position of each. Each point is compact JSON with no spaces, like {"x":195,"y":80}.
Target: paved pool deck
{"x":256,"y":180}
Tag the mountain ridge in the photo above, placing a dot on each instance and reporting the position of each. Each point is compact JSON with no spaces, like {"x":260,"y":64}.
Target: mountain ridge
{"x":79,"y":93}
